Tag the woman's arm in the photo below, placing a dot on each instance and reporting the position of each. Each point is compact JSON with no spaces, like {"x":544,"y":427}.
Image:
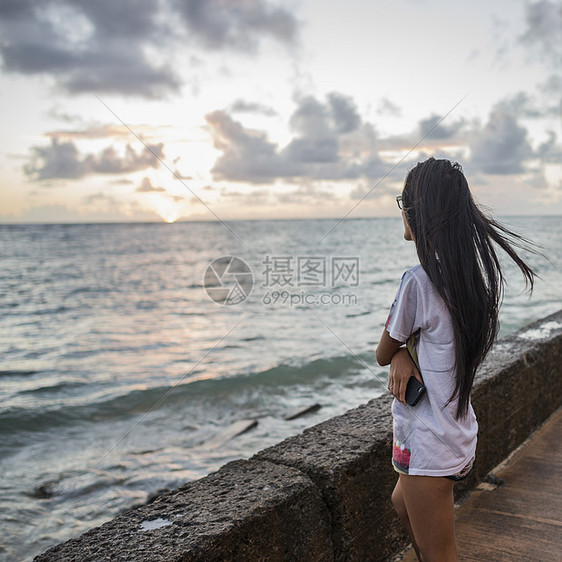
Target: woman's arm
{"x":386,"y":348}
{"x":402,"y":367}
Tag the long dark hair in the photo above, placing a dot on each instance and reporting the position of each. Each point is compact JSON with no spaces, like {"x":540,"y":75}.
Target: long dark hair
{"x":454,"y":241}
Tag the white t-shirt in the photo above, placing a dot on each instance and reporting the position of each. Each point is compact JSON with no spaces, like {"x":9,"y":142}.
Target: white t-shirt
{"x":428,"y":440}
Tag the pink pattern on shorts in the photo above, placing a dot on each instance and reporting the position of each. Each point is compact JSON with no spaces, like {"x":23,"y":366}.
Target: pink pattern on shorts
{"x":401,"y":456}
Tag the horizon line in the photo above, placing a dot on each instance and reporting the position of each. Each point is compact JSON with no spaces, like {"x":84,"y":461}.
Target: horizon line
{"x":27,"y":223}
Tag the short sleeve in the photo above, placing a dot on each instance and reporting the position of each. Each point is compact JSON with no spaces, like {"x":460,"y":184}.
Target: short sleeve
{"x":405,"y":317}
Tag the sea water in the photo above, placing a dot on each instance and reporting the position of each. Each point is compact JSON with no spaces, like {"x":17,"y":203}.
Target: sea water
{"x":118,"y":365}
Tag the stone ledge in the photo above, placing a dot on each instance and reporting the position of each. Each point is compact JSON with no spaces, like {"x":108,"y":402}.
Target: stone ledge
{"x":247,"y":510}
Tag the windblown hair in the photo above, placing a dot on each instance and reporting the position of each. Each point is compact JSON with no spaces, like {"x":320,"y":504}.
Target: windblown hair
{"x":455,"y":245}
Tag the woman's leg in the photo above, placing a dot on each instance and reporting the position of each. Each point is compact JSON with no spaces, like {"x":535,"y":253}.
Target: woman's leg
{"x":400,"y":507}
{"x":429,"y":506}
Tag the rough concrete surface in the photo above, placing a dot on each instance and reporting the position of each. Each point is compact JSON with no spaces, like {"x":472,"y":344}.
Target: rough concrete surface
{"x":349,"y":458}
{"x":245,"y":511}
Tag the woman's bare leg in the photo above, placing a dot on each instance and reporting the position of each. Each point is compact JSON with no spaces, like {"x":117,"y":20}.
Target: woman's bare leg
{"x":400,"y":507}
{"x":430,"y":505}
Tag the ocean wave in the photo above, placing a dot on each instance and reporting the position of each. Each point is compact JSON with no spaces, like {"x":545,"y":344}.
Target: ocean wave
{"x":17,"y":373}
{"x":194,"y":391}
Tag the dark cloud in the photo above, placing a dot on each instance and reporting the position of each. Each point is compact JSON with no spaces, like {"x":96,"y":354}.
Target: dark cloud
{"x":58,"y":160}
{"x":544,"y":30}
{"x":147,"y":187}
{"x":431,"y":128}
{"x":520,"y":104}
{"x":330,"y":142}
{"x":501,"y":147}
{"x":87,"y":46}
{"x":103,"y":45}
{"x":109,"y":162}
{"x":238,"y":24}
{"x":545,"y":104}
{"x":344,"y":113}
{"x":247,"y":156}
{"x":63,"y":160}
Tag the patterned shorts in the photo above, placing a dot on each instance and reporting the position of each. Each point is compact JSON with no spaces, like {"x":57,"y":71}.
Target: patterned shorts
{"x":462,"y":474}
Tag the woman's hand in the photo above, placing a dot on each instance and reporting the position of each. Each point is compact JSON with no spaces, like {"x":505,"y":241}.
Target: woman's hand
{"x":401,"y":369}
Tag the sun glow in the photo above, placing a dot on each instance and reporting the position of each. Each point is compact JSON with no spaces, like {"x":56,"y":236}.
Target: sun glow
{"x":170,"y":211}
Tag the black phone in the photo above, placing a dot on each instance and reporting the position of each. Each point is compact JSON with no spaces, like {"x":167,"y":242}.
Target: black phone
{"x":414,"y":391}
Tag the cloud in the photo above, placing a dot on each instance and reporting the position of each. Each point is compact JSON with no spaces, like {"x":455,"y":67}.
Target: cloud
{"x":63,"y":160}
{"x":99,"y":197}
{"x":122,"y":181}
{"x":124,"y":47}
{"x":59,"y":160}
{"x":87,"y":46}
{"x":501,"y":147}
{"x":56,"y":113}
{"x":431,"y":128}
{"x":524,"y":105}
{"x":344,"y":113}
{"x":147,"y":187}
{"x":109,"y":162}
{"x":550,"y":151}
{"x":520,"y":104}
{"x":330,"y":142}
{"x":92,"y":132}
{"x":179,"y":176}
{"x":242,"y":106}
{"x":307,"y":193}
{"x":247,"y":156}
{"x":544,"y":25}
{"x":387,"y":107}
{"x":254,"y":198}
{"x":238,"y":24}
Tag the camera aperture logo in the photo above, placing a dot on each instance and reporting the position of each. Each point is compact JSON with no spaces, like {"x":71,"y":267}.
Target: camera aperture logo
{"x":228,"y":280}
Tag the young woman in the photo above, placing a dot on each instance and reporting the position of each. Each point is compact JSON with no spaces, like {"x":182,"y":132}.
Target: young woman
{"x":446,"y":311}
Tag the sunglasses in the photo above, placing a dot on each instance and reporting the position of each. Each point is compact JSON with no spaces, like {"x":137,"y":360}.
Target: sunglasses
{"x":399,"y":202}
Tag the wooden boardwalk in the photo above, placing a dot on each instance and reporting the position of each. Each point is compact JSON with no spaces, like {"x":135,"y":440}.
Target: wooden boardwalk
{"x":520,"y":520}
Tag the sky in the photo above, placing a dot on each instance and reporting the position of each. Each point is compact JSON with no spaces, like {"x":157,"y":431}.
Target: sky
{"x":167,"y":110}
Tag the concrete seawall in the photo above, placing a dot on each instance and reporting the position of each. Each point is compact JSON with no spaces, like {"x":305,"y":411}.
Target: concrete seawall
{"x":324,"y":494}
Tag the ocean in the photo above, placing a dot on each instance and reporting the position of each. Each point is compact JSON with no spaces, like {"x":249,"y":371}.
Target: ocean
{"x":127,"y":348}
